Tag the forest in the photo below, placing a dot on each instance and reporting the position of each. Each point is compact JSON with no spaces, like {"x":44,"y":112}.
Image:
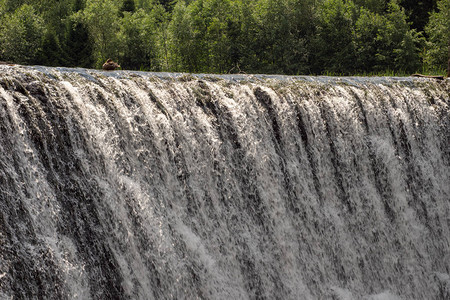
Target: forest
{"x":295,"y":37}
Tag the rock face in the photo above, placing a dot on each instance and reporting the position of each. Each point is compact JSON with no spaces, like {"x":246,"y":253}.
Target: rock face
{"x":110,"y":65}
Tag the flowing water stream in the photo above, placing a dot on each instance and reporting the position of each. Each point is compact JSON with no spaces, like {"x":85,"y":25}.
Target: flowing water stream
{"x":133,"y":185}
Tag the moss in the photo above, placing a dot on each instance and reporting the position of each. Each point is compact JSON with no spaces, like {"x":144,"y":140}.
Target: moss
{"x":212,"y":78}
{"x":202,"y":94}
{"x":18,"y":87}
{"x":229,"y":94}
{"x":158,"y":103}
{"x":5,"y":84}
{"x":186,"y":78}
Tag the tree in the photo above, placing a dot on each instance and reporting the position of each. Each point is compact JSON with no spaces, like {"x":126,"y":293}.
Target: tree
{"x":52,"y":52}
{"x":254,"y":36}
{"x":272,"y":35}
{"x":12,"y":5}
{"x":127,"y":6}
{"x":302,"y":22}
{"x":3,"y":9}
{"x":333,"y":48}
{"x":375,"y":6}
{"x":55,"y":14}
{"x":167,"y":4}
{"x":77,"y":45}
{"x":138,"y":41}
{"x":386,"y":41}
{"x":101,"y":17}
{"x":162,"y":45}
{"x":146,"y":5}
{"x":418,"y":12}
{"x":400,"y":49}
{"x":184,"y":51}
{"x":367,"y":37}
{"x":244,"y":55}
{"x":438,"y":31}
{"x":21,"y":35}
{"x":221,"y":31}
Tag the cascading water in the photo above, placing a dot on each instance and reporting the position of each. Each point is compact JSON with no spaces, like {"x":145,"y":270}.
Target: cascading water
{"x":131,"y":185}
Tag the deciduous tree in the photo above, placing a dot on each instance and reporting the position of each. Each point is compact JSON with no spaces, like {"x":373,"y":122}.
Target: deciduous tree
{"x":21,"y":35}
{"x":438,"y":31}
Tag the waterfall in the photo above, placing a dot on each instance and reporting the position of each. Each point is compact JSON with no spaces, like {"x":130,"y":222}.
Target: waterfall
{"x":134,"y":185}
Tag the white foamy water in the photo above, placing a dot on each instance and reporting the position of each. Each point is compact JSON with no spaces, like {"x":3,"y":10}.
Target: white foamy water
{"x":133,"y":185}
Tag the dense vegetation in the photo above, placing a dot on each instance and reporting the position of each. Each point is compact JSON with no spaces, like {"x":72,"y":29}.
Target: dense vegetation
{"x":220,"y":36}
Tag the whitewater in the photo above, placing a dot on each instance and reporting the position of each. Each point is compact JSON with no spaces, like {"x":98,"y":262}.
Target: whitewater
{"x":135,"y":185}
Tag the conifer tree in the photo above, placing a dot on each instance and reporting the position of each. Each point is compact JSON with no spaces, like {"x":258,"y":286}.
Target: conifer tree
{"x":77,"y":45}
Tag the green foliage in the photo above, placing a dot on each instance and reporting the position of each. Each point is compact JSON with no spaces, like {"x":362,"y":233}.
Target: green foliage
{"x":78,"y":47}
{"x":3,"y":9}
{"x":275,"y":36}
{"x":167,"y":4}
{"x":184,"y":51}
{"x":375,"y":6}
{"x":403,"y":41}
{"x":162,"y":42}
{"x":385,"y":41}
{"x":272,"y":41}
{"x":335,"y":50}
{"x":12,"y":5}
{"x":146,"y":5}
{"x":128,"y":6}
{"x":418,"y":12}
{"x":137,"y":38}
{"x":101,"y":19}
{"x":438,"y":30}
{"x":21,"y":34}
{"x":221,"y":20}
{"x":202,"y":35}
{"x":368,"y":30}
{"x":52,"y":53}
{"x":229,"y":36}
{"x":54,"y":13}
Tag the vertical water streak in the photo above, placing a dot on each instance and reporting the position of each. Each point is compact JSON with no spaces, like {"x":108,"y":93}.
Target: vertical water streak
{"x":129,"y":185}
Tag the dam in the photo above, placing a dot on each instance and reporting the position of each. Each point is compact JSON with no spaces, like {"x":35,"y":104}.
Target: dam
{"x":134,"y":185}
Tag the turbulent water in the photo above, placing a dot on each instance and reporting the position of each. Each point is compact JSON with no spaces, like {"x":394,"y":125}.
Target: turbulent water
{"x":131,"y":185}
